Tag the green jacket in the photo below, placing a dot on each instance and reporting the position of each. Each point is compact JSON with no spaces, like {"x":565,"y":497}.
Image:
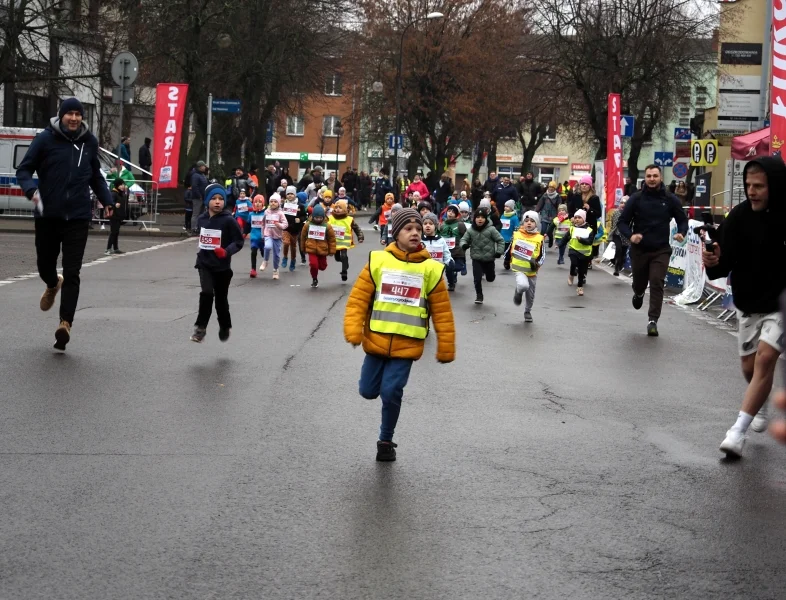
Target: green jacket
{"x":485,"y":244}
{"x":453,"y":228}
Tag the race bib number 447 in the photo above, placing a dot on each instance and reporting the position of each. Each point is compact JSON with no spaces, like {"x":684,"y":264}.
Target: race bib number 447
{"x":401,"y":288}
{"x":209,"y":239}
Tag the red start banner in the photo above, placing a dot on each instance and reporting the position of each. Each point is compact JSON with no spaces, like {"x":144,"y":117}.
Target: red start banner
{"x":778,"y":90}
{"x":167,"y":131}
{"x":614,"y":166}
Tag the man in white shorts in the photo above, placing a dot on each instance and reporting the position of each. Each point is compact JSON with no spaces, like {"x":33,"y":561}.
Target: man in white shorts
{"x":752,"y":247}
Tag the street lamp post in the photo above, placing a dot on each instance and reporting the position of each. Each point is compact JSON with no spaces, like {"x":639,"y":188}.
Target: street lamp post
{"x":338,"y":129}
{"x":428,"y":17}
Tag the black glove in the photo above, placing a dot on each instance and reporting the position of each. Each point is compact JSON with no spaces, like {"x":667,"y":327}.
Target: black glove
{"x":498,"y":255}
{"x":464,"y":246}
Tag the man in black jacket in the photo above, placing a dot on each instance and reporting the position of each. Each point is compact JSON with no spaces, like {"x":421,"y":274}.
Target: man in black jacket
{"x":65,"y":158}
{"x":530,"y":192}
{"x":145,"y":157}
{"x":752,"y":247}
{"x":646,"y":222}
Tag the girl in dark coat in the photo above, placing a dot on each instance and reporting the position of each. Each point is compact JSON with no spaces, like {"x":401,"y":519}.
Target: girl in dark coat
{"x":117,"y":214}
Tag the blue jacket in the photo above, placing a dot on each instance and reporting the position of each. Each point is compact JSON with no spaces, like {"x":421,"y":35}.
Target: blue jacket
{"x":382,"y":187}
{"x":507,"y":234}
{"x":231,"y":240}
{"x":198,"y":185}
{"x":502,"y":194}
{"x":67,"y":168}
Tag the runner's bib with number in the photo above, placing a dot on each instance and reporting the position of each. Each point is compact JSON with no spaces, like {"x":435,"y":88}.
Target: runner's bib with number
{"x":580,"y":233}
{"x":209,"y":239}
{"x":399,"y":287}
{"x":316,"y":232}
{"x":387,"y":215}
{"x":271,"y":223}
{"x":435,"y":251}
{"x":242,"y":208}
{"x":257,"y":221}
{"x":451,"y":242}
{"x":505,"y":223}
{"x":563,"y":229}
{"x":339,"y":231}
{"x":290,"y":208}
{"x":523,"y":250}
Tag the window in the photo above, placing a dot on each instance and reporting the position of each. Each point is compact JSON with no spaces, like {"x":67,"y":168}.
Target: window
{"x":87,"y":114}
{"x":329,"y":126}
{"x":295,"y":125}
{"x":333,"y":85}
{"x":551,"y":134}
{"x":701,"y":96}
{"x":31,"y":111}
{"x":685,"y":122}
{"x":19,"y":154}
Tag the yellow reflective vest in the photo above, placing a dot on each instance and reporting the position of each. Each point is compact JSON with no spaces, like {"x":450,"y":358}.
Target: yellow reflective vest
{"x":524,"y":251}
{"x":401,"y":298}
{"x":343,"y":230}
{"x":562,"y":228}
{"x":585,"y":249}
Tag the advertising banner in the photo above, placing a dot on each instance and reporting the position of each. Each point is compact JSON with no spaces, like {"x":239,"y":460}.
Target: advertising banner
{"x":614,"y":164}
{"x":167,"y":131}
{"x":778,"y":90}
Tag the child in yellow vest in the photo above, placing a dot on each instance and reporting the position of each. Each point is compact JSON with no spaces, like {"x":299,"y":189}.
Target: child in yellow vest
{"x":526,"y":256}
{"x":559,"y":229}
{"x":579,"y":240}
{"x":388,"y":311}
{"x":344,"y":226}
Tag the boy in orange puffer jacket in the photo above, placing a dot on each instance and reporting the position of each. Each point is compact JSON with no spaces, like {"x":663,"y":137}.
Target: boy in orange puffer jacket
{"x":388,"y":311}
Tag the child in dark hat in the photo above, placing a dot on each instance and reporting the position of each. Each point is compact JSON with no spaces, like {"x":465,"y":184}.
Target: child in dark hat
{"x":388,"y":311}
{"x":219,"y":238}
{"x":117,"y":214}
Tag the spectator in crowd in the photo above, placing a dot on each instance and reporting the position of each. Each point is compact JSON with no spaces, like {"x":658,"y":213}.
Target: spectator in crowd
{"x":145,"y":157}
{"x":350,"y":182}
{"x":681,"y":191}
{"x":443,"y":193}
{"x":477,"y":194}
{"x":505,"y":191}
{"x":491,"y":184}
{"x":364,"y":189}
{"x":530,"y":192}
{"x":418,"y":185}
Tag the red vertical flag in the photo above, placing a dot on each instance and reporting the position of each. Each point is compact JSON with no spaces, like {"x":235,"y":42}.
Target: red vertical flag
{"x":167,"y":131}
{"x":778,"y":90}
{"x":614,"y":154}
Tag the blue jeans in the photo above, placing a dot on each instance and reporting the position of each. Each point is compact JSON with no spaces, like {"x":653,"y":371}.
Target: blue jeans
{"x":273,"y":245}
{"x":562,"y":252}
{"x":454,"y":268}
{"x":385,"y":377}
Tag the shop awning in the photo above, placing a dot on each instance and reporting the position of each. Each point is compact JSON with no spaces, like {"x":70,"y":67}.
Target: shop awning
{"x":751,"y":145}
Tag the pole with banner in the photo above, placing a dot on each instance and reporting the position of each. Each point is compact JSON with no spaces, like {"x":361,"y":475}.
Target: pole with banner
{"x":167,"y":132}
{"x":778,"y":83}
{"x":613,"y":154}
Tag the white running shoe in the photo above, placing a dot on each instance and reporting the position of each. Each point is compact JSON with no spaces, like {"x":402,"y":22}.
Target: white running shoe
{"x":761,"y":420}
{"x":733,"y":444}
{"x":263,"y":266}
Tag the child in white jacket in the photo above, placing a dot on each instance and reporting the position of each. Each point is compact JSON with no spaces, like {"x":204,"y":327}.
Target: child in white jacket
{"x":435,"y":244}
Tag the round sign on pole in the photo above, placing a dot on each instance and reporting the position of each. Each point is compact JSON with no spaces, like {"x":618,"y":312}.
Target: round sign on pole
{"x":680,"y":170}
{"x":129,"y":61}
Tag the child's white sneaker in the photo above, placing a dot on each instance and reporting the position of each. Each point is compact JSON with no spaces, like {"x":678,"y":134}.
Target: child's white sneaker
{"x":263,"y":266}
{"x":275,"y":274}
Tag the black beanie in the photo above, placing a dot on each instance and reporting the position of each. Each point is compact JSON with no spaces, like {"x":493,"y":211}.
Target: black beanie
{"x":70,"y":104}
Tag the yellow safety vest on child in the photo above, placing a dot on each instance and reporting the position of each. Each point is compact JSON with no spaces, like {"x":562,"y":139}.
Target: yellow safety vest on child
{"x":401,"y":298}
{"x":343,"y":230}
{"x":585,"y":249}
{"x":525,"y":249}
{"x":562,"y":227}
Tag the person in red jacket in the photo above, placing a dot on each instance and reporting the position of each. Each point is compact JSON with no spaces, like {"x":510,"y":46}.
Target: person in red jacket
{"x":417,"y":186}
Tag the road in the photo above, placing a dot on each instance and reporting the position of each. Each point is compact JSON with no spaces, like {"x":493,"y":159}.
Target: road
{"x":571,"y":458}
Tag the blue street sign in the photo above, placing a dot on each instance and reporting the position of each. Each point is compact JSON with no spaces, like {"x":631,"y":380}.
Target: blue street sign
{"x":682,"y":133}
{"x":626,"y":125}
{"x":226,"y":106}
{"x":680,"y":170}
{"x":664,"y":159}
{"x":269,"y":133}
{"x":393,"y":143}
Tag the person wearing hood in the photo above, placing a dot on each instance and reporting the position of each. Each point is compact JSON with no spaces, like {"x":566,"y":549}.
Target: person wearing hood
{"x":548,"y":207}
{"x":64,"y":160}
{"x":485,"y":244}
{"x":510,"y":225}
{"x":296,"y":215}
{"x":452,"y":230}
{"x":526,"y":259}
{"x":388,"y":311}
{"x":530,"y":191}
{"x":646,"y":222}
{"x":752,"y":247}
{"x":219,"y":238}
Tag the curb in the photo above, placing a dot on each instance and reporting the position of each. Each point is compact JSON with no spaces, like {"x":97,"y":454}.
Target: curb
{"x":105,"y":233}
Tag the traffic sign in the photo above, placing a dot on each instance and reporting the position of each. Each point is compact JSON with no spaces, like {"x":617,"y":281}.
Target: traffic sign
{"x":681,"y":133}
{"x":125,"y":68}
{"x":704,"y":153}
{"x":664,"y":159}
{"x":226,"y":106}
{"x":680,"y":170}
{"x":395,"y":142}
{"x":626,"y":125}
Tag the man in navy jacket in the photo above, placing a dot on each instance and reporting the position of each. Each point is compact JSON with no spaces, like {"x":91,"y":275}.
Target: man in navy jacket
{"x":64,"y":157}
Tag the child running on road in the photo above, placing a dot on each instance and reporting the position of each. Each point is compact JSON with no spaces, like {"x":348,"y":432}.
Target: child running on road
{"x":295,"y":213}
{"x":579,"y":240}
{"x":388,"y":312}
{"x":343,"y":228}
{"x":384,"y":217}
{"x":319,"y":242}
{"x":485,"y":244}
{"x":275,"y":224}
{"x":559,"y":229}
{"x":242,"y":208}
{"x":219,"y":238}
{"x":435,"y":244}
{"x":452,"y":231}
{"x":257,"y":220}
{"x":526,"y":258}
{"x":510,"y":225}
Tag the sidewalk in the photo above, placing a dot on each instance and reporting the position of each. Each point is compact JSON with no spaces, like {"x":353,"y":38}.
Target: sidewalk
{"x":166,"y":225}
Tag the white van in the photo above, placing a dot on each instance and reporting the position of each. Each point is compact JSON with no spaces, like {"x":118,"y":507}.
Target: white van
{"x":14,"y":142}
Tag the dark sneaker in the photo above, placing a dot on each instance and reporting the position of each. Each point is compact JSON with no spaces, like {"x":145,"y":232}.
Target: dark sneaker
{"x":199,"y":335}
{"x":223,"y":334}
{"x":652,"y":329}
{"x":637,"y":301}
{"x":314,"y":283}
{"x":479,"y":300}
{"x":284,"y":263}
{"x":528,"y":317}
{"x":118,"y":252}
{"x":62,"y":335}
{"x":302,"y":261}
{"x":517,"y":295}
{"x":451,"y":287}
{"x":343,"y":276}
{"x":386,"y":451}
{"x":616,"y":273}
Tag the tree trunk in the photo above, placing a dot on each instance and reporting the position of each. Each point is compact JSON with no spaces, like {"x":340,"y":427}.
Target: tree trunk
{"x":633,"y":159}
{"x":478,"y":163}
{"x":492,"y":162}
